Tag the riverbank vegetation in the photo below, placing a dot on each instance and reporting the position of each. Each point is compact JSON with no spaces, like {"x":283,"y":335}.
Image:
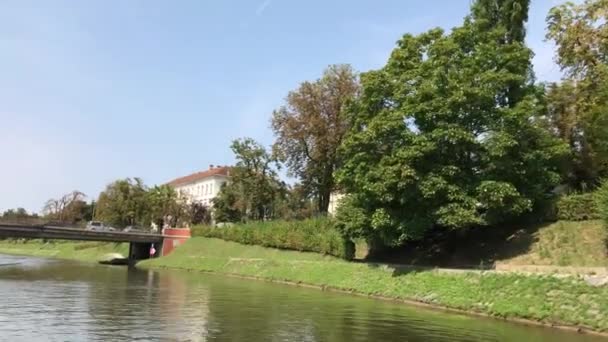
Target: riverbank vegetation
{"x":311,"y":235}
{"x":562,"y":243}
{"x":452,"y":137}
{"x":453,"y":134}
{"x":81,"y":251}
{"x":547,"y":299}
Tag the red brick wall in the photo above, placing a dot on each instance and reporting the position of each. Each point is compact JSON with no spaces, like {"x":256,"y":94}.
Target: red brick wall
{"x":173,"y":238}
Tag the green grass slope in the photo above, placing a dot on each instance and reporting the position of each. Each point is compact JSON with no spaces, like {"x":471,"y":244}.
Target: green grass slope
{"x":83,"y":251}
{"x":562,"y":243}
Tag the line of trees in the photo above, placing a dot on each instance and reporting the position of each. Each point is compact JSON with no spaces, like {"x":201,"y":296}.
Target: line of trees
{"x":129,"y":202}
{"x":71,"y":208}
{"x":453,"y":132}
{"x":124,"y":202}
{"x":18,"y":215}
{"x":309,"y":130}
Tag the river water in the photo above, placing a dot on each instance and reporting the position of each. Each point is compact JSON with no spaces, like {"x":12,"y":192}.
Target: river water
{"x":50,"y":300}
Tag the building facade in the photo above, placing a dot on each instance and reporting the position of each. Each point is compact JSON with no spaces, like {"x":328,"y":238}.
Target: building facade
{"x":202,"y":187}
{"x":334,"y":201}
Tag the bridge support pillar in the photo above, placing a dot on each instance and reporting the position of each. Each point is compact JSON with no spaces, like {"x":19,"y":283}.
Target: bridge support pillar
{"x":174,"y":237}
{"x":141,"y":251}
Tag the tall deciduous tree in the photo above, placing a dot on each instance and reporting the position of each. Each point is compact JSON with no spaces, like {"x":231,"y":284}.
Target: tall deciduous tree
{"x":254,"y":187}
{"x":310,"y":127}
{"x":447,"y":134}
{"x":578,"y":107}
{"x":69,"y":208}
{"x":163,"y":201}
{"x":122,"y":203}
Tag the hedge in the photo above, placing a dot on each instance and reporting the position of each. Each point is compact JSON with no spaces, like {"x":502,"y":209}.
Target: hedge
{"x":577,"y":207}
{"x":312,"y":235}
{"x":601,"y":201}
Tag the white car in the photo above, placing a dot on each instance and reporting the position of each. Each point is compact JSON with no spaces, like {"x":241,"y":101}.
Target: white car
{"x":97,"y":226}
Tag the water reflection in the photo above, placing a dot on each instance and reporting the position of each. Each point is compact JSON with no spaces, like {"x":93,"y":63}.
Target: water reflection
{"x":64,"y":301}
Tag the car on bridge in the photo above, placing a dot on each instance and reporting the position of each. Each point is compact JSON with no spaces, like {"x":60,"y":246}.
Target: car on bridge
{"x":98,"y":226}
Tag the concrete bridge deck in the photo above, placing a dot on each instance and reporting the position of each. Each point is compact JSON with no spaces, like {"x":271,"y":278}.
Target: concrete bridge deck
{"x":63,"y":233}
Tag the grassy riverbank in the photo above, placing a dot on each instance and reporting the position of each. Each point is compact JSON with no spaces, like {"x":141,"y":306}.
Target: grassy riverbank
{"x":82,"y":251}
{"x":540,"y":298}
{"x":562,"y":243}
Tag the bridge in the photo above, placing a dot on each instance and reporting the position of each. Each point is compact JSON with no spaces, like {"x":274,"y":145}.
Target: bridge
{"x":139,"y":243}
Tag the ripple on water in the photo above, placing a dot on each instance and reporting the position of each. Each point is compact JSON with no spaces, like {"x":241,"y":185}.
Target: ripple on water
{"x":63,"y":301}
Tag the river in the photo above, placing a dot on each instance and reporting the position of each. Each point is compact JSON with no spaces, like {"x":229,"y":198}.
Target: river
{"x":51,"y":300}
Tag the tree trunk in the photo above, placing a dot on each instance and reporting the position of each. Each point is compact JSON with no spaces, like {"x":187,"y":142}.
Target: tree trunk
{"x":325,"y":189}
{"x":323,"y":204}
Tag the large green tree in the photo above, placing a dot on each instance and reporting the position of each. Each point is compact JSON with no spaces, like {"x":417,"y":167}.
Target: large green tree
{"x":254,"y":189}
{"x":578,"y":106}
{"x":447,"y":133}
{"x":123,"y":203}
{"x":310,"y":127}
{"x":162,"y":201}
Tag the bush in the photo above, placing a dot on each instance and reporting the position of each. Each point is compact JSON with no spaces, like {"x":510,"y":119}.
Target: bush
{"x":577,"y":207}
{"x":601,"y":201}
{"x":312,"y":235}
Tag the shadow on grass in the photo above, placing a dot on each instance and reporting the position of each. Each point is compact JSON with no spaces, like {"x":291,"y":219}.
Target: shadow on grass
{"x":478,"y":248}
{"x":399,"y":269}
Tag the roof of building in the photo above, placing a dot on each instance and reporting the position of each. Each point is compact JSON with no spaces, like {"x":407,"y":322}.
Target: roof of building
{"x":223,"y":171}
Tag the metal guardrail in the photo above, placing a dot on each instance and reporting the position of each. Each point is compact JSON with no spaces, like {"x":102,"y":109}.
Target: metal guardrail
{"x":67,"y":233}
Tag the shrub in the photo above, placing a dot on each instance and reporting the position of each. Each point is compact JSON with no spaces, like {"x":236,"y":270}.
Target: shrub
{"x":577,"y":207}
{"x":312,"y":235}
{"x":601,"y":201}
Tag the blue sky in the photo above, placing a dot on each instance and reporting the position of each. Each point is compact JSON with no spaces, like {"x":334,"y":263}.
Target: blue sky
{"x":96,"y":90}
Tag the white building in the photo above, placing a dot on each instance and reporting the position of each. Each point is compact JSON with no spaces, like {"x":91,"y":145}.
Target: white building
{"x":334,"y":201}
{"x":202,"y":186}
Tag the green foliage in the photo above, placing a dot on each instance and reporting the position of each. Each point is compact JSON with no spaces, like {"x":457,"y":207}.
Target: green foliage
{"x":578,"y":105}
{"x":162,"y":201}
{"x":297,"y":204}
{"x":310,"y":128}
{"x":70,"y":208}
{"x":254,"y":190}
{"x":449,"y":133}
{"x":199,"y":213}
{"x":130,"y":202}
{"x":226,"y":204}
{"x":313,"y":235}
{"x":601,"y":201}
{"x":122,"y":203}
{"x":577,"y":207}
{"x":509,"y":14}
{"x":18,"y":215}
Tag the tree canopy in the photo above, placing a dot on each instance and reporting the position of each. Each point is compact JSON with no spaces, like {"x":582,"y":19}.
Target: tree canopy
{"x":254,"y":190}
{"x":578,"y":106}
{"x":70,"y":208}
{"x":310,"y":127}
{"x":130,"y":202}
{"x":122,"y":202}
{"x":447,"y":133}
